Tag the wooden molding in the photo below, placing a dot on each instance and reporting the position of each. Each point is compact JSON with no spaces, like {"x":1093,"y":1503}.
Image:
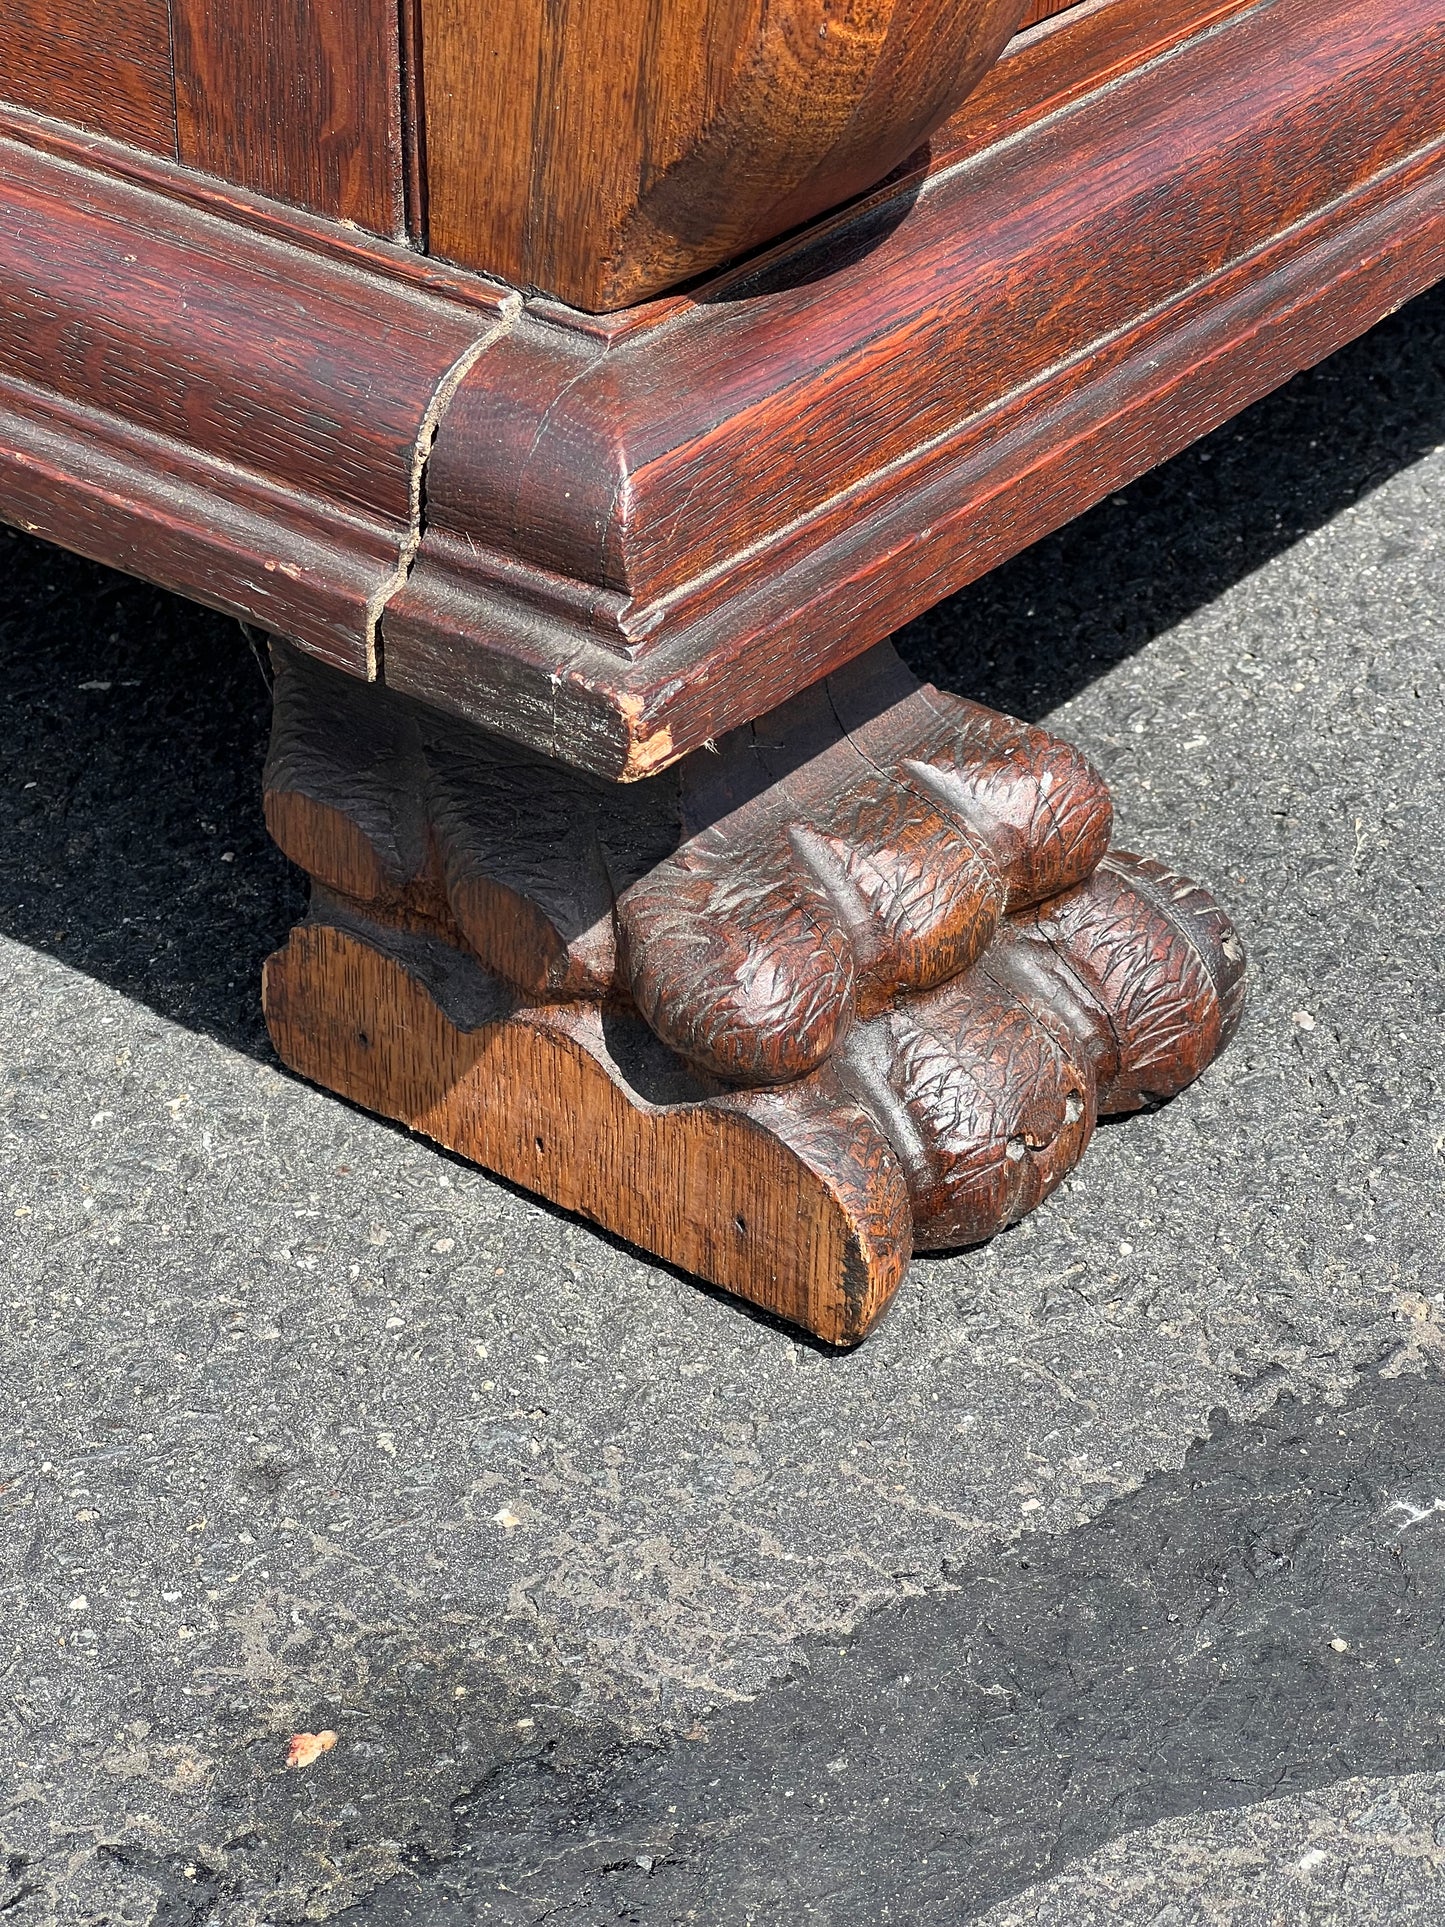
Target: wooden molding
{"x":638,"y":529}
{"x":606,"y":150}
{"x":698,"y":518}
{"x":858,"y":982}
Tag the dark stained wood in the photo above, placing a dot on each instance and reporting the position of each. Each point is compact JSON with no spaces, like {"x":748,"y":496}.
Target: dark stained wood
{"x":218,"y":411}
{"x":860,"y":981}
{"x":94,"y":62}
{"x":645,"y":528}
{"x":413,"y":122}
{"x":297,"y":99}
{"x":314,"y":234}
{"x":682,"y":527}
{"x":605,"y":150}
{"x":863,"y":840}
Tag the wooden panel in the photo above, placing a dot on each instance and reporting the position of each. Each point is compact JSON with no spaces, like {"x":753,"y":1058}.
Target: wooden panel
{"x":298,"y":99}
{"x":315,"y":234}
{"x":607,"y":149}
{"x":702,"y":519}
{"x":1085,"y":47}
{"x":104,"y":66}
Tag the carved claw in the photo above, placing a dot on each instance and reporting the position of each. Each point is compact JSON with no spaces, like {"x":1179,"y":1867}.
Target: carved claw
{"x":881,"y":923}
{"x":1165,"y":966}
{"x":987,"y":1103}
{"x":1115,"y":994}
{"x":878,"y":867}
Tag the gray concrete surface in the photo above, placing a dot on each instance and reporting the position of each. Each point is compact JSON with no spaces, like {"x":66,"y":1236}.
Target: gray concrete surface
{"x":306,"y":1426}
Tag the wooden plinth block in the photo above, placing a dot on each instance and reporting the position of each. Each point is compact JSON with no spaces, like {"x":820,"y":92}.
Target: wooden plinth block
{"x":857,"y":981}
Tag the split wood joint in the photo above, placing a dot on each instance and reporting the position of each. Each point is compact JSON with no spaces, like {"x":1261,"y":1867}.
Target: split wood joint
{"x":719,"y":346}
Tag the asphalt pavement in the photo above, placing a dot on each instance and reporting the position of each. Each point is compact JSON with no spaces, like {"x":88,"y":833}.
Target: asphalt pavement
{"x":1105,"y":1583}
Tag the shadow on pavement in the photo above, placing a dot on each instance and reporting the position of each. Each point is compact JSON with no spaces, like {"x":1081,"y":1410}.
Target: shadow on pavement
{"x":1266,"y":1620}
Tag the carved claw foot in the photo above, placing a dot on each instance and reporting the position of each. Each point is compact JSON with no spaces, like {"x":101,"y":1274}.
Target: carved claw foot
{"x":859,"y":982}
{"x":896,"y":828}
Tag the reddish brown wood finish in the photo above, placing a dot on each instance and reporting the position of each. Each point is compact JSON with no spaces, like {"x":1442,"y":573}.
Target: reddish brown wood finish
{"x":643,"y":528}
{"x":91,"y":61}
{"x":606,"y":150}
{"x":678,"y":528}
{"x":864,"y":840}
{"x":217,"y":411}
{"x":298,"y":99}
{"x":1038,"y":10}
{"x":313,"y":234}
{"x":889,"y":974}
{"x":1076,"y":52}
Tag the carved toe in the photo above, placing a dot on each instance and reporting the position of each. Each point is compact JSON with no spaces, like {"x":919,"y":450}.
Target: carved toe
{"x":1038,"y":802}
{"x":900,"y":823}
{"x":988,"y":1104}
{"x":742,"y":967}
{"x":1163,"y":962}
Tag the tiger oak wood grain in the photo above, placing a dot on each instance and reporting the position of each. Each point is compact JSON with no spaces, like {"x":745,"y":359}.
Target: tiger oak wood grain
{"x":92,"y":62}
{"x":605,"y":150}
{"x":1039,"y":10}
{"x":680,"y":527}
{"x":212,"y":408}
{"x":298,"y":99}
{"x":644,"y":529}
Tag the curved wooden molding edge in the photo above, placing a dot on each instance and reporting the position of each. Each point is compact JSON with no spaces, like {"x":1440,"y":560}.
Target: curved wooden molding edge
{"x":785,"y":1212}
{"x":643,"y":529}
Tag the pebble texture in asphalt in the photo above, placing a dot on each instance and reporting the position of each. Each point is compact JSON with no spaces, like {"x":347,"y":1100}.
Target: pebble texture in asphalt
{"x":305,"y":1426}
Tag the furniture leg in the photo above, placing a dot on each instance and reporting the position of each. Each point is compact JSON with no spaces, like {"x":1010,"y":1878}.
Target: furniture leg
{"x":855,"y":981}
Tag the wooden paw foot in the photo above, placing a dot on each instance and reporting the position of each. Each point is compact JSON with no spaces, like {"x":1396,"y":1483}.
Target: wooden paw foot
{"x":859,"y":981}
{"x":896,"y":829}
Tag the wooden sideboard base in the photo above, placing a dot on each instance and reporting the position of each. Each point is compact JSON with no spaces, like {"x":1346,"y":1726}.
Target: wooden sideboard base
{"x":858,"y":981}
{"x":615,"y":537}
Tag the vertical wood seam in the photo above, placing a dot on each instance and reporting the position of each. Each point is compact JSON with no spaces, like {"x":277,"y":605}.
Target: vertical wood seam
{"x":171,"y":64}
{"x":413,"y":121}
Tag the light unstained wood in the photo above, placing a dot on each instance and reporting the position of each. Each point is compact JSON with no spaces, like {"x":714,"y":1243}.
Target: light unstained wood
{"x":299,"y":99}
{"x":604,"y":150}
{"x":739,"y":1191}
{"x":104,"y":66}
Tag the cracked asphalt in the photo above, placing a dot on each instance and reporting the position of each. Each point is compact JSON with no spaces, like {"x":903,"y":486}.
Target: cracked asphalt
{"x":1104,"y":1583}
